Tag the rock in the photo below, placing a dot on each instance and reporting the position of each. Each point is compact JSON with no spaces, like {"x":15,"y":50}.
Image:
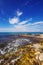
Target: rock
{"x":41,"y":57}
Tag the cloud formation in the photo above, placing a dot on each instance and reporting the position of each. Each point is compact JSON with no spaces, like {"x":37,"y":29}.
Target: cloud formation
{"x":36,"y":23}
{"x":25,"y":26}
{"x":13,"y":20}
{"x":30,"y":27}
{"x":19,"y":13}
{"x":26,"y":21}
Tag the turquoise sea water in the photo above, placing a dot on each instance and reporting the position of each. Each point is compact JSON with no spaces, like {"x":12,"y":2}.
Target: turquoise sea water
{"x":15,"y":33}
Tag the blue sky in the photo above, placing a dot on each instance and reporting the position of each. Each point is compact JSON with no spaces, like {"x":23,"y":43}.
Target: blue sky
{"x":21,"y":15}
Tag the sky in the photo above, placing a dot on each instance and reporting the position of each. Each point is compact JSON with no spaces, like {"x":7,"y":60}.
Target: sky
{"x":21,"y":15}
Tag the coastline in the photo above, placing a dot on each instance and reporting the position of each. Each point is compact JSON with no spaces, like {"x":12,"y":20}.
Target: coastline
{"x":22,"y":46}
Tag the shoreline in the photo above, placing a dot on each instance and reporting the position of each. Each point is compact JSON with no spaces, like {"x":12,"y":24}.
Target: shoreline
{"x":19,"y":47}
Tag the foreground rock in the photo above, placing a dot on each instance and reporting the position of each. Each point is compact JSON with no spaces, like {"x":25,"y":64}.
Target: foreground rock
{"x":29,"y":54}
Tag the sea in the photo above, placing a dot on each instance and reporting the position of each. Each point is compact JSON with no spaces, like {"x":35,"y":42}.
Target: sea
{"x":5,"y":35}
{"x":16,"y":33}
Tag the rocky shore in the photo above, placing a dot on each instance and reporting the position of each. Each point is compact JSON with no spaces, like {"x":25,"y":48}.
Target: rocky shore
{"x":23,"y":50}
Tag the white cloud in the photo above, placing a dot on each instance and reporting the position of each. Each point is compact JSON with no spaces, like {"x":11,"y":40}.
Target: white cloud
{"x":14,"y":29}
{"x":8,"y":30}
{"x":30,"y":27}
{"x":24,"y":28}
{"x":14,"y":20}
{"x":19,"y":13}
{"x":36,"y":23}
{"x":24,"y":22}
{"x":20,"y":28}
